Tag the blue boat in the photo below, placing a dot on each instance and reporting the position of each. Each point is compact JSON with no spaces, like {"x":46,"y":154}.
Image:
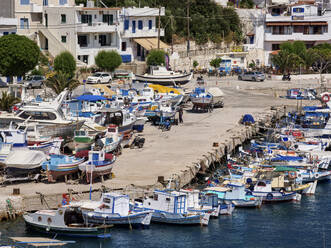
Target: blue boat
{"x":60,"y":165}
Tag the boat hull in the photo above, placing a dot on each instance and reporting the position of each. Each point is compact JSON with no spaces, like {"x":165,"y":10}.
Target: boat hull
{"x":180,"y":219}
{"x":90,"y":232}
{"x":136,"y":219}
{"x":165,"y":81}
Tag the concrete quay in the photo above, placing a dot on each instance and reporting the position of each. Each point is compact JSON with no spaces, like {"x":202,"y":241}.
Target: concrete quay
{"x":179,"y":153}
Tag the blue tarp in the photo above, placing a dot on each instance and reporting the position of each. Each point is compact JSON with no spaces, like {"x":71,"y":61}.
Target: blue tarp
{"x":248,"y":119}
{"x":90,"y":98}
{"x":287,"y":158}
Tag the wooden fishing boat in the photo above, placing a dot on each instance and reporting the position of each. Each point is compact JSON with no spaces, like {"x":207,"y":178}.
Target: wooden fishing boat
{"x":113,"y":209}
{"x":65,"y":221}
{"x":61,"y":165}
{"x":97,"y":165}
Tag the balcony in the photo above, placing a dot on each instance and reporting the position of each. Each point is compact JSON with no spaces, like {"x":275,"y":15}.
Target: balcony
{"x":141,"y":33}
{"x":96,"y":27}
{"x":35,"y":8}
{"x":296,"y":36}
{"x":8,"y":21}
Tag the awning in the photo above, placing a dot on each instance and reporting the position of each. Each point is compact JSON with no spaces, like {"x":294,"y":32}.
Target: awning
{"x":275,"y":52}
{"x":91,"y":98}
{"x":150,"y":43}
{"x":300,"y":24}
{"x":319,"y":23}
{"x":278,"y":24}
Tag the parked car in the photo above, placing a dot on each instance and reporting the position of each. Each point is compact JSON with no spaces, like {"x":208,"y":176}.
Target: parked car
{"x":34,"y":81}
{"x":99,"y":78}
{"x":252,"y":76}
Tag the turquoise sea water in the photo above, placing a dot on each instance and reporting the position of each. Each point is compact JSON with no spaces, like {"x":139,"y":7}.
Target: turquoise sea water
{"x":304,"y":224}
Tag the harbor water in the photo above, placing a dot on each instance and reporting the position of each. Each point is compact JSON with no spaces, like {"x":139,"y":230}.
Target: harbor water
{"x":293,"y":224}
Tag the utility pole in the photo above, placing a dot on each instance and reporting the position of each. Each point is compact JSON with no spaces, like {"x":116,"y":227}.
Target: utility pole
{"x":158,"y":31}
{"x":188,"y":26}
{"x":172,"y":33}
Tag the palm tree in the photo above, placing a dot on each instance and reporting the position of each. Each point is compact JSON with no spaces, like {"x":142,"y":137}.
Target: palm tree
{"x":7,"y":101}
{"x":61,"y":81}
{"x":286,"y":61}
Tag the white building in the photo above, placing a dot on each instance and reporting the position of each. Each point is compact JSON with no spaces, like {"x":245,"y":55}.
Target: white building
{"x":305,"y":22}
{"x":8,"y":22}
{"x":59,"y":25}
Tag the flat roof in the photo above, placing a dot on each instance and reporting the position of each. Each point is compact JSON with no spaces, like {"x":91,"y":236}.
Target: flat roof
{"x":100,"y":9}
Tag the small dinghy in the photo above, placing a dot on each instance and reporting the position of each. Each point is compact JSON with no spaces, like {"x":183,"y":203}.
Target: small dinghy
{"x":65,"y":221}
{"x":60,"y":165}
{"x":97,"y":165}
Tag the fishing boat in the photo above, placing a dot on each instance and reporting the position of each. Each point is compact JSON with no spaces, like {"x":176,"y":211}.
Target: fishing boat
{"x":60,"y":166}
{"x":24,"y":161}
{"x":263,"y":190}
{"x":160,"y":75}
{"x":83,"y":140}
{"x":200,"y":98}
{"x":97,"y":165}
{"x":65,"y":221}
{"x":113,"y":209}
{"x":207,"y":203}
{"x":122,"y":118}
{"x":234,"y":193}
{"x":171,"y":208}
{"x":112,"y":139}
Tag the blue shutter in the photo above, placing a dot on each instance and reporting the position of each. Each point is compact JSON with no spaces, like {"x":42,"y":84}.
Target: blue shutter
{"x":63,"y":2}
{"x":140,"y":24}
{"x":150,"y":24}
{"x":25,"y":2}
{"x":126,"y":24}
{"x":22,"y":23}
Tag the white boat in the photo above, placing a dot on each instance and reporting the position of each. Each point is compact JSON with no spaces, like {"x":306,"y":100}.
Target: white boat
{"x":208,"y":203}
{"x":172,"y":208}
{"x":65,"y":221}
{"x":113,"y":209}
{"x":201,"y":99}
{"x":160,"y":75}
{"x":97,"y":165}
{"x":112,"y":139}
{"x":165,"y":110}
{"x":47,"y":116}
{"x":24,"y":161}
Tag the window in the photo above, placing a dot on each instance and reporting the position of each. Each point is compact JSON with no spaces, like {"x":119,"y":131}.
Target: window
{"x":38,"y":115}
{"x":150,"y":24}
{"x":275,"y":47}
{"x":123,"y":46}
{"x":109,"y":19}
{"x":24,"y":23}
{"x":45,"y":2}
{"x":63,"y":18}
{"x":63,"y":2}
{"x":155,"y":197}
{"x":298,"y":10}
{"x":104,"y":40}
{"x":25,"y":2}
{"x":126,"y":24}
{"x":64,"y":39}
{"x":5,"y":33}
{"x":87,"y":19}
{"x":85,"y":59}
{"x":140,"y":24}
{"x":133,"y":26}
{"x":82,"y":40}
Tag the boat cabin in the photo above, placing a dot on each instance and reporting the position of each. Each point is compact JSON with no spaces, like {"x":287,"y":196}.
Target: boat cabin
{"x":209,"y":199}
{"x":95,"y":157}
{"x":192,"y":198}
{"x":14,"y":137}
{"x":263,"y":186}
{"x":172,"y":202}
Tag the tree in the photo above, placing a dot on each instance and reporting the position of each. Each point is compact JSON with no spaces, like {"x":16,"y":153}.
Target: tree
{"x":286,"y":61}
{"x":216,"y":62}
{"x":18,"y":55}
{"x":7,"y":101}
{"x":61,"y":81}
{"x":108,"y":60}
{"x":65,"y":63}
{"x":322,"y":59}
{"x":156,"y":57}
{"x":195,"y":64}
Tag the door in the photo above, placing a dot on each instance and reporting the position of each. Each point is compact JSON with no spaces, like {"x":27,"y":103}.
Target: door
{"x":46,"y":44}
{"x":133,"y":26}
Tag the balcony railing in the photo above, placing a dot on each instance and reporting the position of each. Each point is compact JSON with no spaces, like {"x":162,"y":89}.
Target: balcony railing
{"x":96,"y":27}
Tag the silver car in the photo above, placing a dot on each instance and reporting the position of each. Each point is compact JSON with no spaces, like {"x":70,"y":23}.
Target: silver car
{"x":34,"y":81}
{"x":252,"y":76}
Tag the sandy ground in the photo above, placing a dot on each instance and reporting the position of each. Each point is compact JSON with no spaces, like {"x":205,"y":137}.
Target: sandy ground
{"x":166,"y":153}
